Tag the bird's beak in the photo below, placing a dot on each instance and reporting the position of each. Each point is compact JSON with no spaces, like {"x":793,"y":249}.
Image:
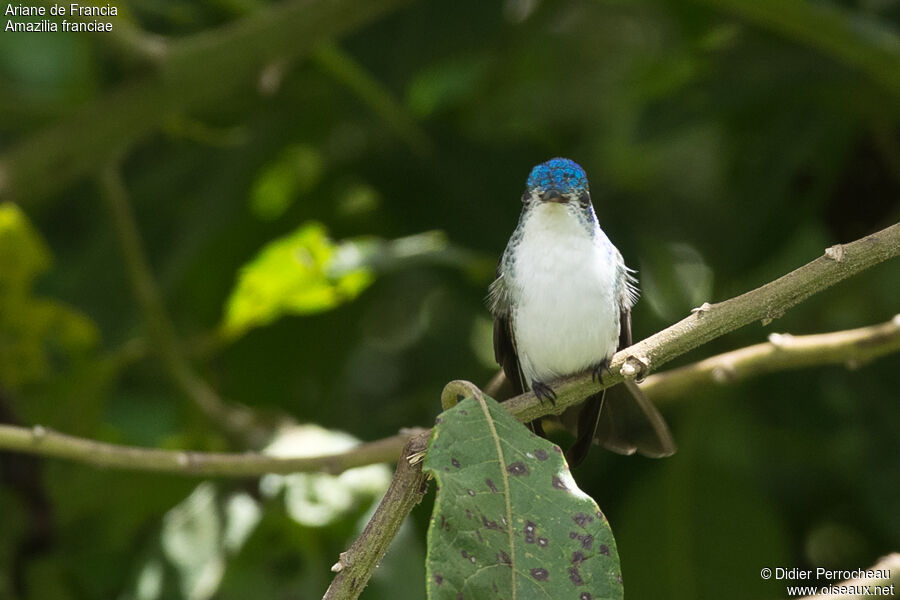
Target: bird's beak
{"x":552,"y":195}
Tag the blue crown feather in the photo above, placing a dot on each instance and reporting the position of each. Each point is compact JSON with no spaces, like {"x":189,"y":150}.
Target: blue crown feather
{"x":561,"y":174}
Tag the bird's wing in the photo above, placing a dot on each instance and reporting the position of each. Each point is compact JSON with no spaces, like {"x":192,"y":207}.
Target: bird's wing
{"x":506,"y":355}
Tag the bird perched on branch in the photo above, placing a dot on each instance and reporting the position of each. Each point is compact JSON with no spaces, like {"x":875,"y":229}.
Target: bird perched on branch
{"x":562,"y":305}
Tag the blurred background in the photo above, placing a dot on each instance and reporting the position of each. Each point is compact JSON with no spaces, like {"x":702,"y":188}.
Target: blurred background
{"x":323,"y":190}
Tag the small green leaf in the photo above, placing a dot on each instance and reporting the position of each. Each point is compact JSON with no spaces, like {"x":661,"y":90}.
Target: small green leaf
{"x":295,"y":274}
{"x":445,"y":85}
{"x":509,"y":520}
{"x":23,"y":254}
{"x":296,"y":171}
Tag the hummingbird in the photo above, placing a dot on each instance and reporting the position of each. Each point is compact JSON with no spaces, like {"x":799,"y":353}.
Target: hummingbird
{"x":561,"y":305}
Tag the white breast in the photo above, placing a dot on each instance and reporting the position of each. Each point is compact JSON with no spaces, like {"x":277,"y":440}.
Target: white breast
{"x":566,"y":317}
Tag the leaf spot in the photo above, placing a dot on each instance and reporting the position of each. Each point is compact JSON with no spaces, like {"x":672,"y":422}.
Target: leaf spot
{"x":604,"y":549}
{"x":454,"y":462}
{"x":588,"y":541}
{"x":491,"y":485}
{"x":542,"y":542}
{"x":470,"y":492}
{"x":575,"y":576}
{"x":585,"y":596}
{"x":541,"y":454}
{"x":581,"y":519}
{"x":438,"y":578}
{"x":577,"y":558}
{"x":503,"y":558}
{"x":489,"y":524}
{"x":517,"y":468}
{"x":529,"y":532}
{"x":559,"y":483}
{"x":540,"y":574}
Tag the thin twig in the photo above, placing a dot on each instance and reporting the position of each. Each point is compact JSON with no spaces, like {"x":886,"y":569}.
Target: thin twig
{"x":40,"y":440}
{"x":236,"y":420}
{"x":852,"y":347}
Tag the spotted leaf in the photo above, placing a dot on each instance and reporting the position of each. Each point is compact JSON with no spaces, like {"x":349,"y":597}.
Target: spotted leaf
{"x":509,"y":520}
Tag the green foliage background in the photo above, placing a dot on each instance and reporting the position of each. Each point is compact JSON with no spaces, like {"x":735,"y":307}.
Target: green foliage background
{"x":726,"y":142}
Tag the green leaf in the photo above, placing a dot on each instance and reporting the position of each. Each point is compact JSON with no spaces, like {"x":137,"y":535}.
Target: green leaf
{"x":296,"y":171}
{"x":303,"y":272}
{"x":509,"y":520}
{"x":23,"y":254}
{"x":35,"y":332}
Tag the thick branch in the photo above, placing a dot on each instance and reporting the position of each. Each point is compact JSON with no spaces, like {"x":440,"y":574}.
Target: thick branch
{"x":852,"y":347}
{"x":356,"y":565}
{"x":236,"y":420}
{"x":193,"y":72}
{"x":40,"y":440}
{"x":713,"y":320}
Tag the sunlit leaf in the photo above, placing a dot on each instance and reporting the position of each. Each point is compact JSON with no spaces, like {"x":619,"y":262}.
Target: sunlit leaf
{"x":23,"y":254}
{"x":293,"y":275}
{"x":35,"y":333}
{"x":509,"y":520}
{"x":306,"y":272}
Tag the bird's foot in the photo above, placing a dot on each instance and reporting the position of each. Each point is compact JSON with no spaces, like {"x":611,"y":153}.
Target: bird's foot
{"x":543,"y":391}
{"x":599,"y":368}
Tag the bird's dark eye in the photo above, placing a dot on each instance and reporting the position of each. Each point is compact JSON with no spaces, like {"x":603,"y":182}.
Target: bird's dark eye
{"x":584,"y":200}
{"x":525,"y":197}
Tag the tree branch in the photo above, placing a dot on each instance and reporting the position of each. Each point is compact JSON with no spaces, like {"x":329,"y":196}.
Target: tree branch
{"x":852,"y":347}
{"x":192,"y":72}
{"x":236,"y":420}
{"x":40,"y":440}
{"x":356,"y":565}
{"x":710,"y":321}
